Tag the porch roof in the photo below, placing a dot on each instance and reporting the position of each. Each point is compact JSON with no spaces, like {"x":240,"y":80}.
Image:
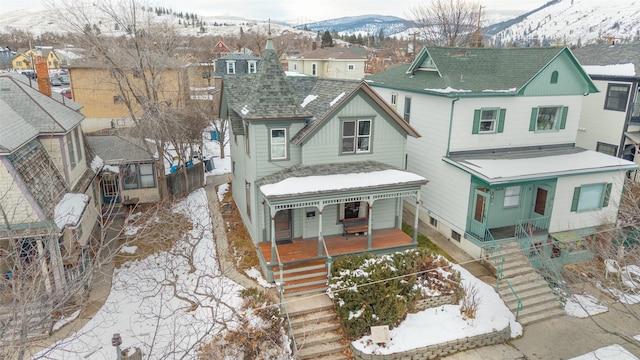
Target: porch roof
{"x":334,"y":178}
{"x":508,"y":165}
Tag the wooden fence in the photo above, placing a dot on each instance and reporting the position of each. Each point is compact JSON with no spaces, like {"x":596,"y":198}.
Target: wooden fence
{"x":176,"y":182}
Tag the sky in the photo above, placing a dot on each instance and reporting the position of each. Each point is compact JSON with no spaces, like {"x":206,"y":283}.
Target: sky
{"x":297,"y":11}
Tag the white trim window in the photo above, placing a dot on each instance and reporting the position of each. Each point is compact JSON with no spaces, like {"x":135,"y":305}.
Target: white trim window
{"x":231,"y":66}
{"x":394,"y":100}
{"x":278,"y":141}
{"x":351,"y":67}
{"x":314,"y":69}
{"x":548,"y":118}
{"x":512,"y":196}
{"x":253,"y":66}
{"x":488,"y":121}
{"x":356,"y":136}
{"x":138,"y":176}
{"x":591,"y":197}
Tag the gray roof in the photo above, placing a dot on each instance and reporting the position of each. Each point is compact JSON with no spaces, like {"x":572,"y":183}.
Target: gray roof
{"x":113,"y":149}
{"x":27,"y":113}
{"x":333,"y":53}
{"x":604,"y":54}
{"x":239,"y":56}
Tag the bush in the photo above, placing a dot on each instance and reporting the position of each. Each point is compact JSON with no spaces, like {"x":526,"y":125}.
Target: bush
{"x":371,"y":291}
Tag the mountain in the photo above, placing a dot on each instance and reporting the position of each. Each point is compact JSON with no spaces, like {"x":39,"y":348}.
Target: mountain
{"x":573,"y":22}
{"x":363,"y":24}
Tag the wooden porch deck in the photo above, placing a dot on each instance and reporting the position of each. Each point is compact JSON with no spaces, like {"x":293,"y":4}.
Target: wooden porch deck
{"x":302,"y":249}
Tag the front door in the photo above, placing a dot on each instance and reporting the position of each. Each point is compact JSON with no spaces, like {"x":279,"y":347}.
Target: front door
{"x":540,"y":202}
{"x":110,"y":190}
{"x":479,"y":218}
{"x":283,"y":225}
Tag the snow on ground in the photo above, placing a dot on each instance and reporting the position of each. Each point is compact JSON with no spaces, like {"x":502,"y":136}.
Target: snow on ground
{"x":611,"y":352}
{"x":582,"y":306}
{"x":445,"y":323}
{"x":128,"y":249}
{"x":147,"y":315}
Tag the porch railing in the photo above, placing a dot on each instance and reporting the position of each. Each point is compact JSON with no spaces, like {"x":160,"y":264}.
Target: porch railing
{"x":495,"y":254}
{"x":478,"y":230}
{"x":524,"y":227}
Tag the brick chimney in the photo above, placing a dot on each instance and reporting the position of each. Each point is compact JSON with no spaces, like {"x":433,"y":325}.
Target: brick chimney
{"x":314,"y":45}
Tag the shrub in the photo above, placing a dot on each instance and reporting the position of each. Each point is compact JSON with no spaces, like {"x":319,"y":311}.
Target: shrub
{"x":370,"y":291}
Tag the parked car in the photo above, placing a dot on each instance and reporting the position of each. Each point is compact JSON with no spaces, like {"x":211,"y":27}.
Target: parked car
{"x":64,"y":79}
{"x":66,"y":93}
{"x":55,"y":81}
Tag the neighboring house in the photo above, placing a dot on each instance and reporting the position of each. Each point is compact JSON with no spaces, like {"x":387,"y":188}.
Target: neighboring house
{"x":236,"y":63}
{"x":220,"y":49}
{"x":46,"y":188}
{"x":93,"y":85}
{"x":499,"y":127}
{"x":129,"y":172}
{"x":330,"y":62}
{"x":6,"y":56}
{"x":24,"y":60}
{"x":313,"y":156}
{"x":610,"y":121}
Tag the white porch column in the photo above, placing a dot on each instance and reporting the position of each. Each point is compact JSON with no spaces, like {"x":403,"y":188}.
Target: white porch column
{"x":369,"y":222}
{"x":416,"y":220}
{"x":274,"y":249}
{"x":320,"y":237}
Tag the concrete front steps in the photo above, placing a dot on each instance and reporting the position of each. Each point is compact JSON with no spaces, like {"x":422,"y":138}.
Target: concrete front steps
{"x":316,"y":328}
{"x":539,"y":303}
{"x":303,"y":278}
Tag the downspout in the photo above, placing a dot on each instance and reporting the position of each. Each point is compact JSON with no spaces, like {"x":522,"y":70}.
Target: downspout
{"x":451,"y":125}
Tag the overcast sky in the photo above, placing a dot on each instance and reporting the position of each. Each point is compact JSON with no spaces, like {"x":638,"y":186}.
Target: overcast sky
{"x":300,"y":11}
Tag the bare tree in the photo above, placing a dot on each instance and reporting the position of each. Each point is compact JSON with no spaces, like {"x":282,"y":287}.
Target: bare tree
{"x":447,"y":22}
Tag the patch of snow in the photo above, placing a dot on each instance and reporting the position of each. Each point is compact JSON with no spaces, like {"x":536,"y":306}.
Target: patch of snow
{"x":128,"y":249}
{"x":334,"y":101}
{"x":611,"y":70}
{"x":257,"y":275}
{"x":308,"y":99}
{"x":582,"y":306}
{"x":448,"y":90}
{"x":64,"y":321}
{"x":69,"y":210}
{"x":222,"y":189}
{"x":611,"y":352}
{"x":500,"y":91}
{"x":96,"y":164}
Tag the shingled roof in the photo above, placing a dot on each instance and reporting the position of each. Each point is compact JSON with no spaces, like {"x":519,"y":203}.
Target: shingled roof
{"x":338,"y":53}
{"x":470,"y":71}
{"x":605,"y":54}
{"x":27,"y":113}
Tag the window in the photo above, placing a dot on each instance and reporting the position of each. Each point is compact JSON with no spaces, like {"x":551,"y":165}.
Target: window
{"x":72,"y":156}
{"x":278,"y":146}
{"x":554,"y":77}
{"x":76,"y":135}
{"x":352,"y":210}
{"x":607,"y":148}
{"x":407,"y":109}
{"x":394,"y":100}
{"x":512,"y":196}
{"x":591,"y":197}
{"x":356,"y":136}
{"x":231,"y":67}
{"x":117,"y":99}
{"x":351,"y":67}
{"x":120,"y":122}
{"x":617,"y":95}
{"x":246,"y":139}
{"x":247,"y":187}
{"x":487,"y":121}
{"x":433,"y":221}
{"x":548,"y":118}
{"x":295,"y":67}
{"x":253,"y":67}
{"x":314,"y":69}
{"x":455,"y":235}
{"x":138,"y":176}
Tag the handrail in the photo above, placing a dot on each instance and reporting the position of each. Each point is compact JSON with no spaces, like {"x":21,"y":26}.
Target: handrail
{"x":494,"y":253}
{"x":328,"y":258}
{"x":283,"y":304}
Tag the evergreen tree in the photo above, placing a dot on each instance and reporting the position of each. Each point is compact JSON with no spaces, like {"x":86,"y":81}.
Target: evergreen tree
{"x":327,"y":40}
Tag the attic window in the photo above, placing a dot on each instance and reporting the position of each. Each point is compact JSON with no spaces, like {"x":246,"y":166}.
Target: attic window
{"x":554,"y":77}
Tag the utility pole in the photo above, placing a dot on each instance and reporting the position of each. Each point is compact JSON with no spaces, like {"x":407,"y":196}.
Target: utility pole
{"x":478,"y":35}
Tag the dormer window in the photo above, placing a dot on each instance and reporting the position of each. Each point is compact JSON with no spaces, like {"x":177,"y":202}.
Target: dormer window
{"x":253,"y":67}
{"x":231,"y":67}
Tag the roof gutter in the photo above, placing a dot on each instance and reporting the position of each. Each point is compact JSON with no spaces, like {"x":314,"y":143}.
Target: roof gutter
{"x":453,"y":103}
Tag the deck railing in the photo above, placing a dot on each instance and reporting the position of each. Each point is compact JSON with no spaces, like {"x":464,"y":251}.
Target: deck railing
{"x":535,"y":225}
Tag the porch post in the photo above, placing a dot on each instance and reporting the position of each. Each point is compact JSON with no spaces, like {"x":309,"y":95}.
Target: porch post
{"x":320,"y":238}
{"x":274,"y":249}
{"x":416,"y":219}
{"x":369,"y":239}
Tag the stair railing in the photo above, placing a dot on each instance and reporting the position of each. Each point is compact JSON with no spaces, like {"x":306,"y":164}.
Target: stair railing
{"x":329,"y":259}
{"x":496,"y":255}
{"x":283,"y":303}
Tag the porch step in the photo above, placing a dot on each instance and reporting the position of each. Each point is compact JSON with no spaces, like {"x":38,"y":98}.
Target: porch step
{"x":303,"y":278}
{"x":316,"y":328}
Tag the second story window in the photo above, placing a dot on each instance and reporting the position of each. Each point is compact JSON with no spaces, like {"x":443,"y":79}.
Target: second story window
{"x":76,"y":135}
{"x":394,"y":100}
{"x":231,"y":67}
{"x":488,"y":121}
{"x":72,"y":155}
{"x":253,"y":67}
{"x":351,"y":67}
{"x":278,"y":141}
{"x":356,"y":136}
{"x":314,"y":69}
{"x":407,"y":109}
{"x":548,"y":118}
{"x":617,"y":95}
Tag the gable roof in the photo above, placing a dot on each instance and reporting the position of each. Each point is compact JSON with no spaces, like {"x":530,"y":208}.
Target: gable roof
{"x":604,"y":55}
{"x":239,"y":56}
{"x":450,"y":71}
{"x":28,"y":113}
{"x":113,"y":149}
{"x":333,"y":53}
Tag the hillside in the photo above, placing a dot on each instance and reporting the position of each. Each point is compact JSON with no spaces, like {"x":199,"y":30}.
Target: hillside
{"x":364,"y":24}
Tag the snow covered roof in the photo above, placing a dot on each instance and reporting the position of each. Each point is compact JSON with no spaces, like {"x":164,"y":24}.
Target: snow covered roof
{"x":610,"y":60}
{"x":513,"y":165}
{"x":324,"y":178}
{"x":69,"y":209}
{"x":611,"y":70}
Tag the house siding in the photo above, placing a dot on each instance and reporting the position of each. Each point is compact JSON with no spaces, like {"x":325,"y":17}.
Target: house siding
{"x":516,"y":125}
{"x":598,"y":124}
{"x":562,"y":218}
{"x":12,"y":197}
{"x":387,"y":145}
{"x":570,"y":82}
{"x":261,"y":134}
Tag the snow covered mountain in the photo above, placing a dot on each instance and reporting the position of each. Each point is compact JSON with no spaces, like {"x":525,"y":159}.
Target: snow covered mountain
{"x":363,"y":24}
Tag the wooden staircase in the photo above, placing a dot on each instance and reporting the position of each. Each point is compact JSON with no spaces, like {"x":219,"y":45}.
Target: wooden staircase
{"x":316,"y":328}
{"x":539,"y":303}
{"x":303,"y":277}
